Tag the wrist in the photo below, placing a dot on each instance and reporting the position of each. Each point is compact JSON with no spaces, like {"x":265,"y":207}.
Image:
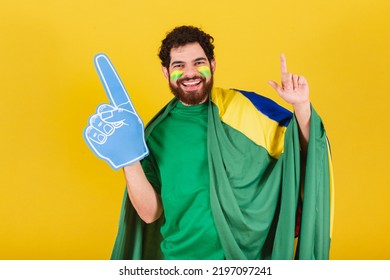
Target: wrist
{"x":301,"y":106}
{"x":130,"y":168}
{"x":302,"y":110}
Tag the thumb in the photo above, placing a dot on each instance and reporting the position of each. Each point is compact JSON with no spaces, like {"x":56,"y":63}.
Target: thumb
{"x":276,"y":87}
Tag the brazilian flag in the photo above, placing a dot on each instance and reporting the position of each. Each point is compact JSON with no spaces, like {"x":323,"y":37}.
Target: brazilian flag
{"x":267,"y":201}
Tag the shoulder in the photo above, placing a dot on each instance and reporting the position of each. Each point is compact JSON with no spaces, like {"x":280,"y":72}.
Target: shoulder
{"x":260,"y":119}
{"x":228,"y":100}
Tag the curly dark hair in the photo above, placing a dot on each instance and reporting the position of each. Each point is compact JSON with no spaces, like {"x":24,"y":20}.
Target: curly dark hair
{"x":181,"y":36}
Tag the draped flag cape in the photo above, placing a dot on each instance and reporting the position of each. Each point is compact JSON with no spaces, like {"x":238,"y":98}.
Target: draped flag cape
{"x":266,"y":201}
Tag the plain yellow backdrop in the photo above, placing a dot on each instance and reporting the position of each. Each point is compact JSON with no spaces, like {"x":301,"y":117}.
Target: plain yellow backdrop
{"x":58,"y":201}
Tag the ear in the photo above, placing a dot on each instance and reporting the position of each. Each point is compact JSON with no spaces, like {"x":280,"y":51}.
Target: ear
{"x":213,"y":65}
{"x":165,"y":72}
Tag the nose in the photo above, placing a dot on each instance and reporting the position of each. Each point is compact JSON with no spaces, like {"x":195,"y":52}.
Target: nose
{"x":190,"y":71}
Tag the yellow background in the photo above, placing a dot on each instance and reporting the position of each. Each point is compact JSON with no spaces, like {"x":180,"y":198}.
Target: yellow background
{"x":58,"y":201}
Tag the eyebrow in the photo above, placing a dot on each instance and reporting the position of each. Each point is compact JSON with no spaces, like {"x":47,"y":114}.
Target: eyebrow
{"x":200,"y":59}
{"x":182,"y":62}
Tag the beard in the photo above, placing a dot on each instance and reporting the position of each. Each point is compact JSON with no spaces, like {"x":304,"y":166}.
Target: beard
{"x":194,"y":97}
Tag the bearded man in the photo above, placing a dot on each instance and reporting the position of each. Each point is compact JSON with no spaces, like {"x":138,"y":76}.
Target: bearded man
{"x":230,"y":174}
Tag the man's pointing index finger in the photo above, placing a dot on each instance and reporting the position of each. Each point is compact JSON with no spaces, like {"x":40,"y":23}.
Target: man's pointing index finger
{"x":283,"y":64}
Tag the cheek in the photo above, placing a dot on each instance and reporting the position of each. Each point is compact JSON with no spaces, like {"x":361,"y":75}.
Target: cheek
{"x":205,"y":71}
{"x":176,"y":75}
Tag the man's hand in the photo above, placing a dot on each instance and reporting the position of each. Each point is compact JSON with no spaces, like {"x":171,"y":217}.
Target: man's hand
{"x":115,"y":132}
{"x":294,"y":89}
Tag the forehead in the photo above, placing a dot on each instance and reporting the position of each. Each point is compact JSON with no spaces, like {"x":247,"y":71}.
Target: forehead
{"x":188,"y":52}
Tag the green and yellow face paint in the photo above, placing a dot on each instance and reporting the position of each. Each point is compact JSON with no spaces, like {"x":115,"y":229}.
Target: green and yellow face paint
{"x":204,"y":71}
{"x":176,"y":74}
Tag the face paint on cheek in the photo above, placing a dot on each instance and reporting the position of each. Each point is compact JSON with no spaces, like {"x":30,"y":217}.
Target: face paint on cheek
{"x":204,"y":71}
{"x":176,"y":74}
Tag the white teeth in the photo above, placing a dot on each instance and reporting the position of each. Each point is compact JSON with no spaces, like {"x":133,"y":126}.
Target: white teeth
{"x":191,"y":83}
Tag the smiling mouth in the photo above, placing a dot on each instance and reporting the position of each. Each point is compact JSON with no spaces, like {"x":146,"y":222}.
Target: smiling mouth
{"x":191,"y":84}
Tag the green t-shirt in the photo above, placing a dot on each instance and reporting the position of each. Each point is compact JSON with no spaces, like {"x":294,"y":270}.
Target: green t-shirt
{"x":177,"y":167}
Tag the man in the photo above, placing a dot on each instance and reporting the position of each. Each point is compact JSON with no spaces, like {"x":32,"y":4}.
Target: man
{"x":225,"y":177}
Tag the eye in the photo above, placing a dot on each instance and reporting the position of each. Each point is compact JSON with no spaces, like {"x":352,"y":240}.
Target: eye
{"x":177,"y":66}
